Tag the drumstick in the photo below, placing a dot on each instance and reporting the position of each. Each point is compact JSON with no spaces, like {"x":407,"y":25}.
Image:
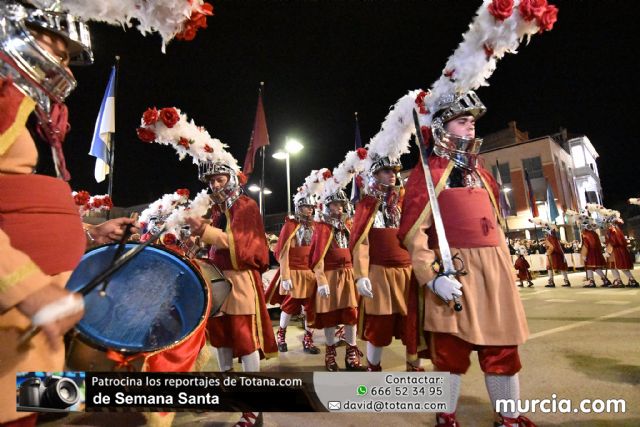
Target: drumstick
{"x":128,"y":256}
{"x":119,"y":249}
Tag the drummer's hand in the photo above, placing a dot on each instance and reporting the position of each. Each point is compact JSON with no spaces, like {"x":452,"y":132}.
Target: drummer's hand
{"x":55,"y":329}
{"x":112,"y":230}
{"x":196,"y":225}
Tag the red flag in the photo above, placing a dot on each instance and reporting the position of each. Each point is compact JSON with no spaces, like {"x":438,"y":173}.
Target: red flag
{"x":259,"y":137}
{"x":532,"y":199}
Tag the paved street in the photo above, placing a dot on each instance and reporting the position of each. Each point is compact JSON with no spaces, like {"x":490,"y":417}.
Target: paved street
{"x":583,"y":345}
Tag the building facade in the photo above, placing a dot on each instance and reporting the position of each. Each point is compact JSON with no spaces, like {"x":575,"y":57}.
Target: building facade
{"x":566,"y":165}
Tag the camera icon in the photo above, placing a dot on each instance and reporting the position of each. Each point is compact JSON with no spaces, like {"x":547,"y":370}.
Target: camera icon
{"x":52,"y":392}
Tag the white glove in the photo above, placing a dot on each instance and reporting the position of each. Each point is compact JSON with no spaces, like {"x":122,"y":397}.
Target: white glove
{"x":287,"y":285}
{"x":323,"y":291}
{"x":445,"y":287}
{"x":364,"y":287}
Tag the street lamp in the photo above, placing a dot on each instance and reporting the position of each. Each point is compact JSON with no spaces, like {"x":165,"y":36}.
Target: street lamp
{"x":291,"y":146}
{"x":254,"y":188}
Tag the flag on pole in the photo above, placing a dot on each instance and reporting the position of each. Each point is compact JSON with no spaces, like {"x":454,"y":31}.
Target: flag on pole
{"x":259,"y":137}
{"x":105,"y":126}
{"x":355,"y":190}
{"x":532,"y":198}
{"x":505,"y":206}
{"x":551,"y":203}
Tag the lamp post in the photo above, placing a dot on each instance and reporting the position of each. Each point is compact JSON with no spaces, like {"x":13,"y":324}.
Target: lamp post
{"x":261,"y":191}
{"x":291,"y":146}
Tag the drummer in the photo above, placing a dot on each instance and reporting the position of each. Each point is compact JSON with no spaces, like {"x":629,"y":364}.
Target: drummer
{"x":41,"y":237}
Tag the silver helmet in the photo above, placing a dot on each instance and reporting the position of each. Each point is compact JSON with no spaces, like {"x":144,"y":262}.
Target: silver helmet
{"x":36,"y":72}
{"x":341,"y":197}
{"x":374,"y":186}
{"x":227,"y":194}
{"x":302,"y":200}
{"x":462,"y":151}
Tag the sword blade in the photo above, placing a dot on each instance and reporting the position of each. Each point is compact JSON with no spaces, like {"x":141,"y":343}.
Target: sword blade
{"x":443,"y":243}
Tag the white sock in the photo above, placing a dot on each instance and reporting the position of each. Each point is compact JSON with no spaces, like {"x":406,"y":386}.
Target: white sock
{"x":616,"y":274}
{"x":502,"y":387}
{"x":350,"y":334}
{"x":565,"y":275}
{"x":590,"y":274}
{"x":225,"y":358}
{"x":251,"y":362}
{"x":600,"y":273}
{"x":456,"y":382}
{"x":330,"y":335}
{"x":550,"y":275}
{"x":628,"y":274}
{"x":374,"y":354}
{"x":284,"y":320}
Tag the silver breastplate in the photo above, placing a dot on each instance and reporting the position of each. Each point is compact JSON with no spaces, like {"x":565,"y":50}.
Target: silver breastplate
{"x":387,"y":216}
{"x":304,"y":235}
{"x":342,"y":238}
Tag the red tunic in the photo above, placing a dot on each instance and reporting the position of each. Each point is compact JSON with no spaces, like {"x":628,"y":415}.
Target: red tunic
{"x":555,"y":255}
{"x":248,"y":251}
{"x":620,"y":257}
{"x":592,"y":250}
{"x":522,"y":266}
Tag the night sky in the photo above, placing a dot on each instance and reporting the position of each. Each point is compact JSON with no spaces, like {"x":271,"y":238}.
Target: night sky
{"x":323,"y":60}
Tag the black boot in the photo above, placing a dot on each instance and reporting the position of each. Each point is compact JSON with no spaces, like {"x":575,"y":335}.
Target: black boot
{"x":307,"y":344}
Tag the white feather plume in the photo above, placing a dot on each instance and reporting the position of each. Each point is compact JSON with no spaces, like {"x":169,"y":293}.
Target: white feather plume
{"x":200,"y":145}
{"x":468,"y":68}
{"x":166,"y":17}
{"x":343,"y":174}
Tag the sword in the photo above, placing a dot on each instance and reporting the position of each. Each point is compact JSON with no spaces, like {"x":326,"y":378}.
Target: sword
{"x":447,"y":269}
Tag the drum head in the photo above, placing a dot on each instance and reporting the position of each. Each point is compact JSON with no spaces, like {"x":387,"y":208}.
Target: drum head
{"x":154,"y":301}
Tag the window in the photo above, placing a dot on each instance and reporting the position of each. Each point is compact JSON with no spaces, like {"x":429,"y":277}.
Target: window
{"x":533,"y":166}
{"x":505,"y":173}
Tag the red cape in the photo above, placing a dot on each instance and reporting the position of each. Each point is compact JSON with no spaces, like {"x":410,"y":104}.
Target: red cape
{"x":287,"y":232}
{"x":362,"y":220}
{"x":322,"y":234}
{"x":247,"y":243}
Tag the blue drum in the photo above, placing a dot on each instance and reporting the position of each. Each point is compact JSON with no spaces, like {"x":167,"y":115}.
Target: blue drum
{"x":151,"y":304}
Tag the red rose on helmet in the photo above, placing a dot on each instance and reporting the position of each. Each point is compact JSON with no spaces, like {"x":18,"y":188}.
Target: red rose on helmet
{"x":208,"y":148}
{"x":81,"y":198}
{"x":501,"y":9}
{"x":548,"y":18}
{"x":184,"y":142}
{"x":362,"y":153}
{"x":530,"y":9}
{"x":183,"y":192}
{"x":326,"y":175}
{"x":97,"y":203}
{"x":169,"y":116}
{"x":169,"y":239}
{"x":146,"y":135}
{"x":150,"y":116}
{"x":107,"y":202}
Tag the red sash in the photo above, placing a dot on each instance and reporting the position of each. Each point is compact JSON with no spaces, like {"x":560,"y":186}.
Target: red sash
{"x":39,"y":216}
{"x":469,"y":219}
{"x":336,"y":258}
{"x":385,"y":249}
{"x":299,"y":257}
